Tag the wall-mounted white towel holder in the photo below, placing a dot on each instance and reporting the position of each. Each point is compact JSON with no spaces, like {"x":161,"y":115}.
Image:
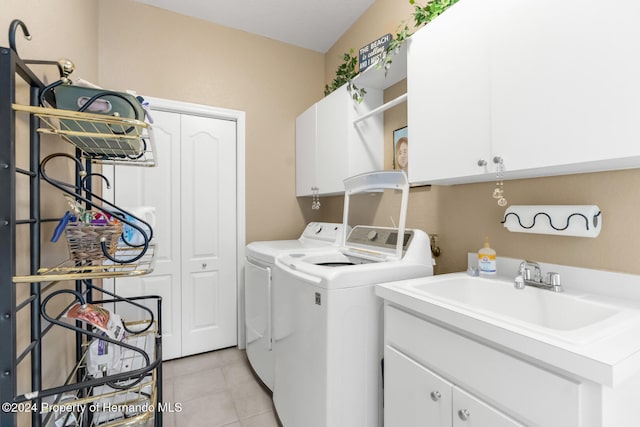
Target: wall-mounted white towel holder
{"x":563,"y":220}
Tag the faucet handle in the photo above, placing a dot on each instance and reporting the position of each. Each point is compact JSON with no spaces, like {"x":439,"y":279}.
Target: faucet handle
{"x":553,"y":280}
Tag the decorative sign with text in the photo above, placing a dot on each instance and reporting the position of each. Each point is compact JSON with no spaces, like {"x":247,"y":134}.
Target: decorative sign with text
{"x":372,"y":52}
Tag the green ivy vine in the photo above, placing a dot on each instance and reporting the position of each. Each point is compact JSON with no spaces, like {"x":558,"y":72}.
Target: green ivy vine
{"x":345,"y":74}
{"x":348,"y":70}
{"x":422,"y":15}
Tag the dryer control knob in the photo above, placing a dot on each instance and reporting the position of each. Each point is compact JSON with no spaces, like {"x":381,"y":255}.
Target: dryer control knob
{"x":372,"y":234}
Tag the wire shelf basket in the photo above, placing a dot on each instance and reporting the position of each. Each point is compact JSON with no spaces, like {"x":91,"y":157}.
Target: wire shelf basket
{"x":71,"y":270}
{"x":103,"y":139}
{"x":111,"y":407}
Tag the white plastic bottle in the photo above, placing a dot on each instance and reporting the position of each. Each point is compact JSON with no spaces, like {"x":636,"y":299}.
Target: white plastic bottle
{"x":487,"y":260}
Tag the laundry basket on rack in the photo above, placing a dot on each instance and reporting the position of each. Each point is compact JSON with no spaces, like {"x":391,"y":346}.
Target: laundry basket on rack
{"x":85,"y":240}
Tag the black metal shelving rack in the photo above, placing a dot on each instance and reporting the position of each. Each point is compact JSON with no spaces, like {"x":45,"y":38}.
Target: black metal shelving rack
{"x":12,"y":68}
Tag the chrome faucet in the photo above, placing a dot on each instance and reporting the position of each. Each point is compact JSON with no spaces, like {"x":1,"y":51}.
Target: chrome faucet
{"x":529,"y":274}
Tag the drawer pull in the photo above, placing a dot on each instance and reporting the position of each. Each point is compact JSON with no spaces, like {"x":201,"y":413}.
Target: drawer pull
{"x":464,"y":414}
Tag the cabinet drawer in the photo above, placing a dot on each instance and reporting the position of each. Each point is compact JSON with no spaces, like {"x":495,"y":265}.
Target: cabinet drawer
{"x":469,"y":412}
{"x":413,"y":396}
{"x":534,"y":395}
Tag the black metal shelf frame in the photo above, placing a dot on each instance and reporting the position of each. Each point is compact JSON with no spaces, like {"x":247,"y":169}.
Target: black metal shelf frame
{"x":12,"y":68}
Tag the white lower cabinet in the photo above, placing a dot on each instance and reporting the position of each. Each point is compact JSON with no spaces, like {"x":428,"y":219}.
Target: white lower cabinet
{"x":414,"y":396}
{"x":471,"y":412}
{"x":472,"y":380}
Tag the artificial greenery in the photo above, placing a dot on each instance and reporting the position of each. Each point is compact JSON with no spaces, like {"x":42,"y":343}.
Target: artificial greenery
{"x":422,"y":15}
{"x":345,"y":73}
{"x":392,"y":48}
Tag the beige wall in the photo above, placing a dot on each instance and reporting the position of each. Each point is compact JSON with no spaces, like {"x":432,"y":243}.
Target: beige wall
{"x":166,"y":55}
{"x":462,"y":215}
{"x":471,"y":213}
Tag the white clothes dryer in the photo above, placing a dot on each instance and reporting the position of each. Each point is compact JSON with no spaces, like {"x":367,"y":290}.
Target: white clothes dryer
{"x":258,"y":285}
{"x":328,"y":326}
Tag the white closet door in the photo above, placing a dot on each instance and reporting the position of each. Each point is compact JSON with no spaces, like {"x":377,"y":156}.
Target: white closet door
{"x":193,"y":188}
{"x":157,"y":186}
{"x":208,"y":192}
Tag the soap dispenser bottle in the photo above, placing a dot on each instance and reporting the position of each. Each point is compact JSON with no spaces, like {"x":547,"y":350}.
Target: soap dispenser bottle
{"x":487,"y":260}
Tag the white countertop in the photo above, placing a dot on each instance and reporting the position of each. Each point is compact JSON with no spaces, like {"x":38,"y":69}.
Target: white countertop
{"x":607,"y":354}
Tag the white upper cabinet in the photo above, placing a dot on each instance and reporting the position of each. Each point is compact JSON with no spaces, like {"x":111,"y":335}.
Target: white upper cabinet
{"x":306,"y":151}
{"x":449,"y":100}
{"x":331,"y":147}
{"x":565,"y":81}
{"x":551,"y":87}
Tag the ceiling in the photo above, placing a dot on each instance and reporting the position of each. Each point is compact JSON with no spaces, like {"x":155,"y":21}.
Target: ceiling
{"x":314,"y":25}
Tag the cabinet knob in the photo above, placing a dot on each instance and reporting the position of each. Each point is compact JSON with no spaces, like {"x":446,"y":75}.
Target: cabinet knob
{"x":204,"y":265}
{"x":464,"y":414}
{"x":482,"y":162}
{"x":435,"y":396}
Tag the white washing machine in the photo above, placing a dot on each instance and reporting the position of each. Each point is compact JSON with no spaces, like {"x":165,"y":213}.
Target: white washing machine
{"x":328,"y":322}
{"x":258,"y":289}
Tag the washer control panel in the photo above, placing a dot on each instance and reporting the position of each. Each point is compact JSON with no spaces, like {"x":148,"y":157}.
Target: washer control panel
{"x":378,"y":237}
{"x":322,"y":231}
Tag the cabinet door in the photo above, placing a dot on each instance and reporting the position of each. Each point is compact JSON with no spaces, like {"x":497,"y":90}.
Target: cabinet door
{"x":471,"y":412}
{"x":330,"y":147}
{"x":343,"y":148}
{"x":448,"y":86}
{"x":565,"y":87}
{"x":306,"y":140}
{"x":414,"y":396}
{"x":332,"y":150}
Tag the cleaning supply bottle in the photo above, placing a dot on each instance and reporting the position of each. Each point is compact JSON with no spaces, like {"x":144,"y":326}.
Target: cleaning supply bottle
{"x":487,"y":260}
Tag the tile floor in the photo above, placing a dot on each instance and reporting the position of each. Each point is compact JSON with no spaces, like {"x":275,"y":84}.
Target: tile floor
{"x":216,"y":389}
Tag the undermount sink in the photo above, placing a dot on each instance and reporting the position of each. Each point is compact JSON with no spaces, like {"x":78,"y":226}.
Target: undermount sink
{"x":566,"y":317}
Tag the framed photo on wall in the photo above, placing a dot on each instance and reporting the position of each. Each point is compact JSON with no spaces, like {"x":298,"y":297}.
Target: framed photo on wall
{"x":400,"y":149}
